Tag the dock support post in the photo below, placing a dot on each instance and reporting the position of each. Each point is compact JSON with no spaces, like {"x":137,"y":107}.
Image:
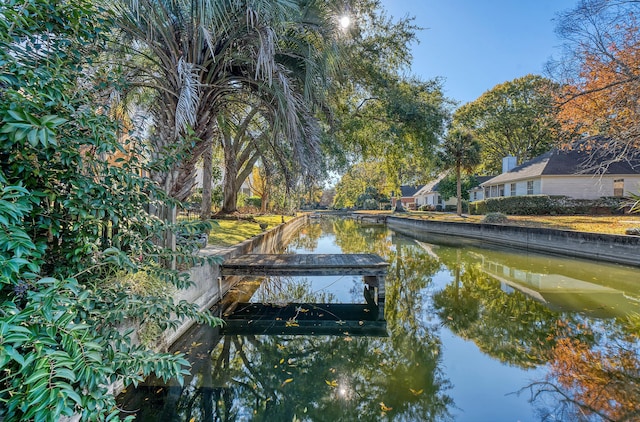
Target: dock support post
{"x":377,"y":285}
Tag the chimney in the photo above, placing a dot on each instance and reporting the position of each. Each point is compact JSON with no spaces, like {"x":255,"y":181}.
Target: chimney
{"x":508,"y":163}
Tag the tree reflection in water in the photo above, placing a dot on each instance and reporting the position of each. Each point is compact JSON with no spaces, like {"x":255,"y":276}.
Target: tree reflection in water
{"x":589,"y":351}
{"x":594,"y":366}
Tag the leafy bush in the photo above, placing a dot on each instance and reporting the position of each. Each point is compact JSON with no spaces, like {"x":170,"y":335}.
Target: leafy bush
{"x":545,"y":204}
{"x":71,"y":216}
{"x":253,"y":201}
{"x":495,"y":218}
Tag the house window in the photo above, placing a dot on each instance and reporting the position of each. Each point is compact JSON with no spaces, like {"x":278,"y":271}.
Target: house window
{"x":500,"y":190}
{"x":618,"y":187}
{"x":513,"y":189}
{"x":529,"y":187}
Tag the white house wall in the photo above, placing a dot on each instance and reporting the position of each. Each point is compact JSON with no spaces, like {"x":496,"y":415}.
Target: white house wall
{"x":587,"y":187}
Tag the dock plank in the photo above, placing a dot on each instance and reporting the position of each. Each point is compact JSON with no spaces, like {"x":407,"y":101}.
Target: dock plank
{"x":305,"y":264}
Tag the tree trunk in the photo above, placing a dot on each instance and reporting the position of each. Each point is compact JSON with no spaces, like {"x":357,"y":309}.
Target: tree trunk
{"x":459,"y":189}
{"x":230,"y":193}
{"x":264,"y":200}
{"x":207,"y":169}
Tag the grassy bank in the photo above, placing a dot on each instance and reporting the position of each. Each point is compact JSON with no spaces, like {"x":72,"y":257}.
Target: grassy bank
{"x":230,"y":232}
{"x":607,"y":224}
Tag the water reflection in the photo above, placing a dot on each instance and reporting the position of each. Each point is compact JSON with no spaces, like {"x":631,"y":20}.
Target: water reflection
{"x":564,"y":334}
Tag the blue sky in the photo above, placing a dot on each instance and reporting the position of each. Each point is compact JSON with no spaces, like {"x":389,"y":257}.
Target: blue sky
{"x":477,"y":44}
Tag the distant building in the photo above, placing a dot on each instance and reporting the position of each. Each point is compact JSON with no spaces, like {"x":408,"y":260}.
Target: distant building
{"x":405,"y":196}
{"x":429,"y":196}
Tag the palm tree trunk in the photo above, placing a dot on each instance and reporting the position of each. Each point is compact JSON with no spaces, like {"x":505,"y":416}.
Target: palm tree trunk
{"x":230,"y":193}
{"x":459,"y":189}
{"x":207,"y":169}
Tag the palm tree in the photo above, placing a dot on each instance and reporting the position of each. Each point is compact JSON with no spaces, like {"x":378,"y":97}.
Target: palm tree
{"x":461,"y":151}
{"x":196,"y":56}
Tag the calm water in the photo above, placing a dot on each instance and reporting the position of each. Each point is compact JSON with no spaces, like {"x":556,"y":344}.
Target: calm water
{"x":472,"y":334}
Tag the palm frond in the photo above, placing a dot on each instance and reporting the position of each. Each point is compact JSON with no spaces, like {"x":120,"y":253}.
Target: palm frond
{"x":188,"y":98}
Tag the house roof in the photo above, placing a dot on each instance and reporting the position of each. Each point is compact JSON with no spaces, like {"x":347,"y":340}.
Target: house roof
{"x":432,"y":186}
{"x":406,"y":190}
{"x":480,"y":180}
{"x":564,"y":162}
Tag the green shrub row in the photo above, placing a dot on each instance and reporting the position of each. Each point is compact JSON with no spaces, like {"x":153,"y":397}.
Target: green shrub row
{"x":547,"y":205}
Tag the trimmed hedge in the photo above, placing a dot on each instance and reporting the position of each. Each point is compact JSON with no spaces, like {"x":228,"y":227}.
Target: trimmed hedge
{"x":547,"y":205}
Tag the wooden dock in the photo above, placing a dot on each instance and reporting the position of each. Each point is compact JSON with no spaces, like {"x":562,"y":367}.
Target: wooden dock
{"x":266,"y":319}
{"x":305,"y":264}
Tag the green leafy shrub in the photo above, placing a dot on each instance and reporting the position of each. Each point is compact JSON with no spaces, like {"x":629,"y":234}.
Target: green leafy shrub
{"x":253,"y":201}
{"x":545,"y":205}
{"x":69,"y":220}
{"x":495,"y":218}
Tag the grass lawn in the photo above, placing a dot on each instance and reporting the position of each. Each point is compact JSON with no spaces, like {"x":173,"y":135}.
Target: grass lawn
{"x":232,"y":232}
{"x":609,"y":224}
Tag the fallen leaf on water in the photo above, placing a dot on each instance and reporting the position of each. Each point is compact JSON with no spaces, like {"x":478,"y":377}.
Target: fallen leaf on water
{"x":285,"y":382}
{"x":281,"y":361}
{"x":384,"y":408}
{"x":416,"y":392}
{"x":332,"y":384}
{"x":348,"y":339}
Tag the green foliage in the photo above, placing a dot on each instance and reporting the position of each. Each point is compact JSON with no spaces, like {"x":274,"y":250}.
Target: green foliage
{"x":253,"y":201}
{"x":380,"y":113}
{"x":495,"y":218}
{"x":515,"y":118}
{"x":360,"y":179}
{"x":70,"y":224}
{"x":544,"y":204}
{"x":370,"y":199}
{"x":447,"y":186}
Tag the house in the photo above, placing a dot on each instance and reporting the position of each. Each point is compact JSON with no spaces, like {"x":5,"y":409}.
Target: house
{"x":405,"y":197}
{"x":428,"y":194}
{"x":477,"y":193}
{"x":562,"y":172}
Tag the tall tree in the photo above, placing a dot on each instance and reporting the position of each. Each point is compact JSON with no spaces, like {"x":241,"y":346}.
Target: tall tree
{"x":196,"y":56}
{"x":600,"y":71}
{"x":460,"y":151}
{"x":379,"y":114}
{"x":261,"y":185}
{"x":516,"y":118}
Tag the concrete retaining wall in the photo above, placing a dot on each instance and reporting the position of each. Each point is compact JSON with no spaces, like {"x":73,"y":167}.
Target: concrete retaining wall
{"x":604,"y":247}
